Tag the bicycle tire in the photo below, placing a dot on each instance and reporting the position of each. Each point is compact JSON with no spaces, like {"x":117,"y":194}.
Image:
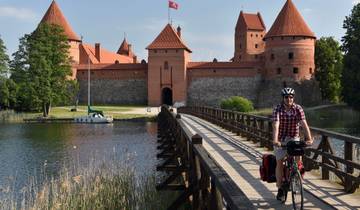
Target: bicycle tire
{"x":297,"y":191}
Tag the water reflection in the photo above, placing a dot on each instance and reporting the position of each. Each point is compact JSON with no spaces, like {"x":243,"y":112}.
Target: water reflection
{"x":41,"y":150}
{"x":339,"y":119}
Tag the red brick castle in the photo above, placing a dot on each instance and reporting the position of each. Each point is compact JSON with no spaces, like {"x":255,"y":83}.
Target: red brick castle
{"x":263,"y":61}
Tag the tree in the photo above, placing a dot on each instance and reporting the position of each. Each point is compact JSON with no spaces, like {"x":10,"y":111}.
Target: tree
{"x":4,"y":60}
{"x":351,"y":48}
{"x":41,"y":67}
{"x":237,"y":103}
{"x":8,"y":92}
{"x":328,"y":60}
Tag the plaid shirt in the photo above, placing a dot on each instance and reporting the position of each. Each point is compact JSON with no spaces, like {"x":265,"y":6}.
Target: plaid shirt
{"x":289,"y":120}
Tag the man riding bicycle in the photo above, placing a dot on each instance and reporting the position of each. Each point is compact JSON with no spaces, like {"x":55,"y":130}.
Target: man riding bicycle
{"x":287,"y":117}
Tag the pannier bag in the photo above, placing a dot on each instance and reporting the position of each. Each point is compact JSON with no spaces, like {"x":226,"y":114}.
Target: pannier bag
{"x":267,"y":168}
{"x":295,"y":148}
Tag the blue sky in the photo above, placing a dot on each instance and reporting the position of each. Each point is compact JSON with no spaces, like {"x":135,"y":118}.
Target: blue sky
{"x":207,"y":25}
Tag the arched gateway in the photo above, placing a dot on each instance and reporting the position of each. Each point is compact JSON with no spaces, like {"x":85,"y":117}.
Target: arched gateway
{"x":166,"y":96}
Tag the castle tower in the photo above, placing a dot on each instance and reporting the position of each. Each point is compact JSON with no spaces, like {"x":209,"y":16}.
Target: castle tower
{"x":290,"y":46}
{"x":167,"y":62}
{"x":125,"y":49}
{"x":249,"y":33}
{"x":54,"y":16}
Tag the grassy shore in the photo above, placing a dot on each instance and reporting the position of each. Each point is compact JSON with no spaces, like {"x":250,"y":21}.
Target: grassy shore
{"x":106,"y":185}
{"x":118,"y":112}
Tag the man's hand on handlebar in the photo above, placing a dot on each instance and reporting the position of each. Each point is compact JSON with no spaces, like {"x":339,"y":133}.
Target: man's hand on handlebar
{"x":277,"y":143}
{"x":309,"y":141}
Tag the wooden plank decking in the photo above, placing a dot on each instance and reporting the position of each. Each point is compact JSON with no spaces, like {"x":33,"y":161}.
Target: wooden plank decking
{"x":243,"y":167}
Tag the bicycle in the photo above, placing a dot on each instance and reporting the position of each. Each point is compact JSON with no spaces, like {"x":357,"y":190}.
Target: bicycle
{"x":292,"y":180}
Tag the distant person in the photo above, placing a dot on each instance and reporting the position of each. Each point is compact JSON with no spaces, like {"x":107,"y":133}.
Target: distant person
{"x":287,"y":117}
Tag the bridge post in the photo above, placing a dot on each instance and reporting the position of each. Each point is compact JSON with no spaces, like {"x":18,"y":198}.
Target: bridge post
{"x":325,"y":148}
{"x":196,"y":173}
{"x":348,"y":155}
{"x":216,"y":203}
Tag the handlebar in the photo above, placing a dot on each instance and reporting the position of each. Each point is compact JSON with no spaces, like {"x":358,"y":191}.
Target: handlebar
{"x":295,"y":144}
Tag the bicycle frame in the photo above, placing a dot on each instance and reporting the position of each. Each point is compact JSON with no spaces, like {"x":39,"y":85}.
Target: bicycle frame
{"x":292,"y":180}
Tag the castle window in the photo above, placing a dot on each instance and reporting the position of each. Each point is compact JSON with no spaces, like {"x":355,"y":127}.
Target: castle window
{"x":256,"y":35}
{"x":214,"y":71}
{"x":240,"y":46}
{"x":240,"y":57}
{"x":165,"y":51}
{"x":116,"y":62}
{"x":256,"y":56}
{"x":291,"y":56}
{"x":166,"y":65}
{"x":272,"y":57}
{"x":282,"y":38}
{"x":310,"y":70}
{"x":155,"y":51}
{"x":293,"y":37}
{"x":296,"y":70}
{"x":256,"y":45}
{"x":278,"y":70}
{"x":261,"y":35}
{"x":251,"y":35}
{"x":176,"y":51}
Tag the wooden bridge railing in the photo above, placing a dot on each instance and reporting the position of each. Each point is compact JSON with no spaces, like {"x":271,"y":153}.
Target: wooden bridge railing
{"x":189,"y":168}
{"x":259,"y":130}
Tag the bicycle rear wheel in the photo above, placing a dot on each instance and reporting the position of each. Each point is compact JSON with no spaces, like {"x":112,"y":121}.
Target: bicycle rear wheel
{"x":297,"y":190}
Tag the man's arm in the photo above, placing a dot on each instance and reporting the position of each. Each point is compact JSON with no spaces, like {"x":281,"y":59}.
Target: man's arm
{"x":275,"y":125}
{"x":308,"y":139}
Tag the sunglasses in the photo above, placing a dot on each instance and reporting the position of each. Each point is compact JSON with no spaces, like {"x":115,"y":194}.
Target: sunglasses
{"x":289,"y":96}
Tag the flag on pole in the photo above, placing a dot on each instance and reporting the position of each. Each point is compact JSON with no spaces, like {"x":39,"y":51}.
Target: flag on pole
{"x":173,"y":5}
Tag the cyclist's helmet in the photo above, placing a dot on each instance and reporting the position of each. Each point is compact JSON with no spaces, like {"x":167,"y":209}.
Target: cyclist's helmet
{"x":287,"y":91}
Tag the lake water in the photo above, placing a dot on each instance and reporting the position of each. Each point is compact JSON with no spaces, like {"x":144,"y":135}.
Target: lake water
{"x":42,"y":150}
{"x":339,"y":119}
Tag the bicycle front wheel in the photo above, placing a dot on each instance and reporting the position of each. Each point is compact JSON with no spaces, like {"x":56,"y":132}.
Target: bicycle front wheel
{"x":297,"y":191}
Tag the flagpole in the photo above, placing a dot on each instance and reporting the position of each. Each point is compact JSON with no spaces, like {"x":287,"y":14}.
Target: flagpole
{"x":168,"y":14}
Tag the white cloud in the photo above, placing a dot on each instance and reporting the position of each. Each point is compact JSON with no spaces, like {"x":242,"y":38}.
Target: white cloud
{"x":18,"y":13}
{"x":356,"y":2}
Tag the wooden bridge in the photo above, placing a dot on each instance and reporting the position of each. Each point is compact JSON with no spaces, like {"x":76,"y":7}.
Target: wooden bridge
{"x":212,"y":157}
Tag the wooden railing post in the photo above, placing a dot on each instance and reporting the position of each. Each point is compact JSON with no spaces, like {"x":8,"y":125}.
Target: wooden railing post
{"x":217,"y":203}
{"x":196,"y":173}
{"x":348,"y":155}
{"x":324,"y":160}
{"x":262,"y":128}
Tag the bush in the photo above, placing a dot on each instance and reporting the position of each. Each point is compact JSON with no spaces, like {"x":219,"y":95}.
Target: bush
{"x":237,"y":103}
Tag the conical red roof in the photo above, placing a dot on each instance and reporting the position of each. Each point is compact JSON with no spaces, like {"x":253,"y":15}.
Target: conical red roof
{"x":289,"y":22}
{"x":54,"y":16}
{"x":168,"y":39}
{"x":124,"y":48}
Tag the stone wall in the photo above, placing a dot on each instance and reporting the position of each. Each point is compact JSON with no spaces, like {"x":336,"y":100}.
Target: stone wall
{"x":307,"y":92}
{"x":209,"y":91}
{"x":124,"y":92}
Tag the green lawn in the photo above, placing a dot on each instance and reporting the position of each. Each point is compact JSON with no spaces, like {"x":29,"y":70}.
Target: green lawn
{"x":115,"y":111}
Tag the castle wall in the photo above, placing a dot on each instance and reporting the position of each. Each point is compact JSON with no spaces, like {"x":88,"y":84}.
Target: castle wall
{"x":114,"y":86}
{"x":307,"y":92}
{"x":209,"y":86}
